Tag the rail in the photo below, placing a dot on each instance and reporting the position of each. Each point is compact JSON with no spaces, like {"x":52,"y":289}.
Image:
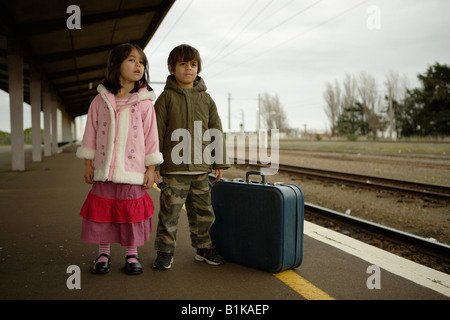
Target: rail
{"x":414,"y":243}
{"x":423,"y":245}
{"x":438,"y":192}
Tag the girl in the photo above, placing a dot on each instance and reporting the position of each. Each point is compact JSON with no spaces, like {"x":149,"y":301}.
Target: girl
{"x":120,"y":147}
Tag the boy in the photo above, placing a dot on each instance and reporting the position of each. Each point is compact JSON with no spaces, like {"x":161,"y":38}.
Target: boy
{"x":184,"y":111}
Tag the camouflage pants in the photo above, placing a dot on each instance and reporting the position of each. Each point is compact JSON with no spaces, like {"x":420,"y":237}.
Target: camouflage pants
{"x":195,"y":192}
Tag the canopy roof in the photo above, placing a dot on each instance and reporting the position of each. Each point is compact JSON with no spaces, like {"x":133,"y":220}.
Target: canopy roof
{"x":72,"y":61}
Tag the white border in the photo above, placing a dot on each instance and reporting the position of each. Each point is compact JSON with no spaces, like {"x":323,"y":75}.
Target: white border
{"x":427,"y":277}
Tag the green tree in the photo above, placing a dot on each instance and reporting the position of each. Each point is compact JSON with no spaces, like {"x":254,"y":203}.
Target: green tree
{"x":351,"y":121}
{"x":5,"y":138}
{"x":426,"y":111}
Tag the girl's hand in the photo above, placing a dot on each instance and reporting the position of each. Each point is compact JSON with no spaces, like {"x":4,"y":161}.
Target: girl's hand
{"x":149,"y":178}
{"x":88,"y":172}
{"x":219,"y":174}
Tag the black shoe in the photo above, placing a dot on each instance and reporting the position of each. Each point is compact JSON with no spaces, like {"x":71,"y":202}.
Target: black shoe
{"x":133,"y":268}
{"x":210,"y":256}
{"x":101,"y":267}
{"x":163,"y":261}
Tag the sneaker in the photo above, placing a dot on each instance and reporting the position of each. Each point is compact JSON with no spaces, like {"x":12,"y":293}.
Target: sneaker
{"x":163,"y":261}
{"x":210,"y":256}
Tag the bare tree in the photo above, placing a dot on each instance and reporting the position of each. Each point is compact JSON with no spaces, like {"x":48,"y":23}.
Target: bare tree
{"x":349,"y":94}
{"x":370,"y":100}
{"x":273,"y":113}
{"x":397,"y":88}
{"x":403,"y":89}
{"x":357,"y":95}
{"x":392,"y":85}
{"x":332,"y":96}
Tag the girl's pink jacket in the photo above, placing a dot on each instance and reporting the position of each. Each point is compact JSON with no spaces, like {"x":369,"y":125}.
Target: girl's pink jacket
{"x":121,"y":143}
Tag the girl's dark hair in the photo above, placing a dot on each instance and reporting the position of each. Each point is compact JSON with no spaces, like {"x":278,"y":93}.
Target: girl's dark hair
{"x":116,"y":57}
{"x":184,"y":53}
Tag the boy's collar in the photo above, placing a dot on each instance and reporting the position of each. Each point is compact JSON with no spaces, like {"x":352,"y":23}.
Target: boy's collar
{"x":196,"y":82}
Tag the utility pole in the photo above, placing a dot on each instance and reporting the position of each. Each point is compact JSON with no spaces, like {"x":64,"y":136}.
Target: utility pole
{"x":258,"y":114}
{"x":229,"y":112}
{"x":390,"y":113}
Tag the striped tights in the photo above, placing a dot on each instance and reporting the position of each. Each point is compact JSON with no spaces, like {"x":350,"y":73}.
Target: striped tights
{"x":106,"y":249}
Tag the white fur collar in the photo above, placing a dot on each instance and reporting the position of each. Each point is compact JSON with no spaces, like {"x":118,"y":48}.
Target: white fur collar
{"x":146,"y":95}
{"x":142,"y":95}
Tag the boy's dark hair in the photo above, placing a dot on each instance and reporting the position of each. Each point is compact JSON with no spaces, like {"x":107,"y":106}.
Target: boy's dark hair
{"x":184,"y":53}
{"x":116,"y":57}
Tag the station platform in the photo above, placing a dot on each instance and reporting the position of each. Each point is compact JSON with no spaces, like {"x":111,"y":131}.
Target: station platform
{"x":40,"y":245}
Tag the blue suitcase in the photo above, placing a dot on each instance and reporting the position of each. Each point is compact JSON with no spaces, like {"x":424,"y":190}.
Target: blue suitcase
{"x":258,"y":224}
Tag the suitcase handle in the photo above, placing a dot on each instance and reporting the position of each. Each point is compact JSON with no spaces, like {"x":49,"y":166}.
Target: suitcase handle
{"x":259,"y":173}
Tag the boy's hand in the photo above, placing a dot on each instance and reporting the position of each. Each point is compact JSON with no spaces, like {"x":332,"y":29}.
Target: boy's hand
{"x":149,"y":178}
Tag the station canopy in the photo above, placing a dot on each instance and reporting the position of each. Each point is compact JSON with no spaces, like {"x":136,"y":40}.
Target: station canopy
{"x":72,"y":61}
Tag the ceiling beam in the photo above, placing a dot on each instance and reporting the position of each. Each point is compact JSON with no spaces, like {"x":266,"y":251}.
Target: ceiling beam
{"x":74,"y":72}
{"x":78,"y":83}
{"x":52,"y":57}
{"x":46,"y":26}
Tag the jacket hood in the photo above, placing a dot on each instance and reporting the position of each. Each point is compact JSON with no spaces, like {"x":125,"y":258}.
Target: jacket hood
{"x":171,"y":84}
{"x":142,"y":94}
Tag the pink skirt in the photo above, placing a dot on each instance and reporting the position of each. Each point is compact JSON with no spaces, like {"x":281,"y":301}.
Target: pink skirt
{"x":117,"y":213}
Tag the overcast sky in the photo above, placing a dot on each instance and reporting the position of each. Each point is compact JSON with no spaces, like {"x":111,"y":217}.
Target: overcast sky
{"x":293,"y":47}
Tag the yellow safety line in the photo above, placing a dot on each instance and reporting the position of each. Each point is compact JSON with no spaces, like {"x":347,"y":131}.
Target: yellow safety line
{"x":302,"y":286}
{"x":297,"y":283}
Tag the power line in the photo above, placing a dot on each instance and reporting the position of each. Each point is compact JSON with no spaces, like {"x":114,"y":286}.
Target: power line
{"x":243,"y":29}
{"x":272,"y":14}
{"x":273,"y":28}
{"x":170,"y":30}
{"x":296,"y":36}
{"x":236,"y":23}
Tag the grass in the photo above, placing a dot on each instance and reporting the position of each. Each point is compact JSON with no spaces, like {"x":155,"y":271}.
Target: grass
{"x":369,"y":147}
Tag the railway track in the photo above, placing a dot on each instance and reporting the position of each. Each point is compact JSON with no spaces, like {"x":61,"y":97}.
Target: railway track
{"x":421,"y":250}
{"x":422,"y":190}
{"x":425,"y":251}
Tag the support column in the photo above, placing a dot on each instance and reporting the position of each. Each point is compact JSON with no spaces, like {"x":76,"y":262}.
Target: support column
{"x":67,"y":126}
{"x":35,"y":100}
{"x":16,"y":97}
{"x":47,"y":101}
{"x":54,"y":105}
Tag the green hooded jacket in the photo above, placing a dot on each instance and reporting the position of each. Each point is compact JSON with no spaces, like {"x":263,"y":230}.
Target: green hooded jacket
{"x":189,"y":129}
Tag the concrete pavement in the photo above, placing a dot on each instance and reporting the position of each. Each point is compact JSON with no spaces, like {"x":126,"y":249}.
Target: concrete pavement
{"x":40,"y":239}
